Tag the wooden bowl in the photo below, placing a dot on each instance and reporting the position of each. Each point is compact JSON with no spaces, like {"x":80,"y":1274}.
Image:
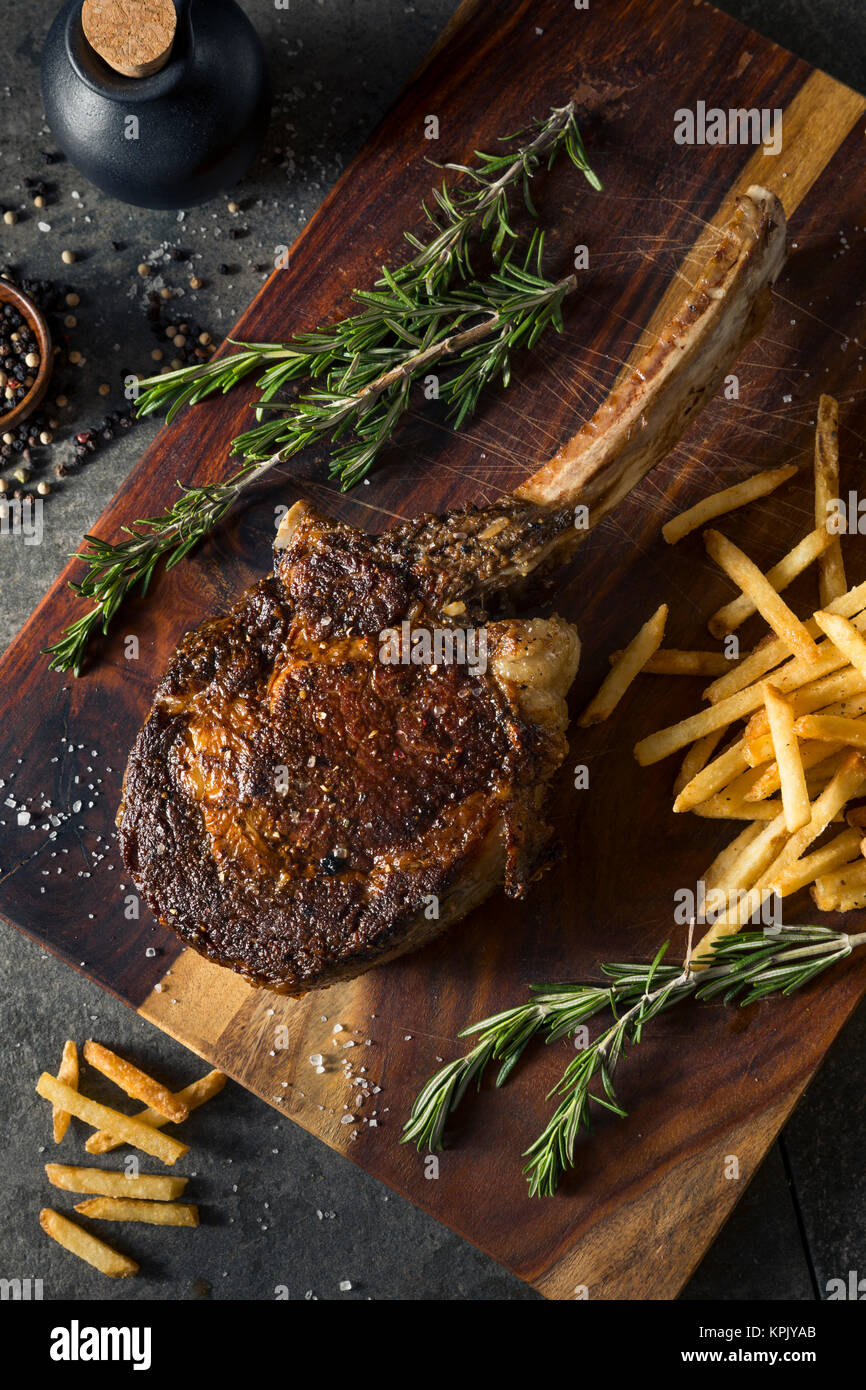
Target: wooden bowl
{"x":37,"y":322}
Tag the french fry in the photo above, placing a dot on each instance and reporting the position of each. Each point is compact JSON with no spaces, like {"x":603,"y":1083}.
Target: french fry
{"x":775,"y":611}
{"x":745,"y":874}
{"x":154,"y":1213}
{"x":832,"y":689}
{"x":134,"y":1081}
{"x":843,"y":849}
{"x":795,"y":797}
{"x":722,"y":871}
{"x":131,"y":1131}
{"x":772,"y":652}
{"x":817,"y":777}
{"x":811,"y":756}
{"x":761,"y":879}
{"x":86,"y":1246}
{"x":696,"y":757}
{"x":67,"y":1073}
{"x":850,"y":899}
{"x":854,"y":708}
{"x":856,"y":818}
{"x":757,"y":856}
{"x":832,"y":728}
{"x":728,"y":500}
{"x":844,"y":636}
{"x":192,"y":1096}
{"x":844,"y":785}
{"x":108,"y":1183}
{"x":670,"y":661}
{"x":842,"y":890}
{"x":630,"y":664}
{"x":831,"y":570}
{"x":726,"y":807}
{"x":713,"y":777}
{"x":830,"y":684}
{"x":739,"y":610}
{"x":748,"y":904}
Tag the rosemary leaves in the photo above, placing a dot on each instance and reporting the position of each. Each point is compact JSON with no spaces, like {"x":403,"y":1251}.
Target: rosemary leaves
{"x":741,"y":969}
{"x":432,"y":312}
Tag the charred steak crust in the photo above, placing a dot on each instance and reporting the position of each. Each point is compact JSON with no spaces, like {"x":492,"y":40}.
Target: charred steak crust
{"x":294,"y":805}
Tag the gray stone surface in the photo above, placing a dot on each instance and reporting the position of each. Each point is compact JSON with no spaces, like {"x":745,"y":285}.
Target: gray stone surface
{"x":261,"y":1182}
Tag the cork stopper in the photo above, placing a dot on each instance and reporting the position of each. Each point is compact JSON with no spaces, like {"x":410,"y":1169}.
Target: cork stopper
{"x":133,"y":36}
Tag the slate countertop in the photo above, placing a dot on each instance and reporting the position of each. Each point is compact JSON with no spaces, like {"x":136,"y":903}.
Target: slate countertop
{"x":284,"y":1211}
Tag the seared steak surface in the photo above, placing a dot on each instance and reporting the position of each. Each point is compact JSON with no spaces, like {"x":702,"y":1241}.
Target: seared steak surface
{"x":299,"y":808}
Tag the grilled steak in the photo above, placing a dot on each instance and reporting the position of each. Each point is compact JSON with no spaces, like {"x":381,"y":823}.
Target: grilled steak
{"x":359,"y":752}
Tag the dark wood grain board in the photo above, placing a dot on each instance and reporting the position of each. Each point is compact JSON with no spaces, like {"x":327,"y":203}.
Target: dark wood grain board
{"x":650,"y":1194}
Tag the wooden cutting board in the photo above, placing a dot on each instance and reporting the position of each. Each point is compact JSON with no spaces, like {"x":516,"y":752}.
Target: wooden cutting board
{"x":649,"y":1194}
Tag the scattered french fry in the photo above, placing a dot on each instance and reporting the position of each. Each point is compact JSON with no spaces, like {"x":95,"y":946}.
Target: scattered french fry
{"x":832,"y":728}
{"x":629,"y":665}
{"x":696,"y":758}
{"x":805,"y":553}
{"x":772,"y":652}
{"x":713,"y":777}
{"x":87,"y":1247}
{"x":109,"y":1183}
{"x":844,"y":636}
{"x":154,"y":1213}
{"x":141,"y":1136}
{"x":795,"y":797}
{"x":68,"y":1074}
{"x":746,"y":575}
{"x":192,"y":1096}
{"x":811,"y":756}
{"x":669,"y":661}
{"x":831,"y":684}
{"x":850,"y":899}
{"x":728,"y":500}
{"x":843,"y":786}
{"x":134,"y":1081}
{"x":843,"y":849}
{"x":722,"y":872}
{"x":747,"y":907}
{"x":807,"y":699}
{"x":843,"y":890}
{"x":831,"y":569}
{"x":726,"y":807}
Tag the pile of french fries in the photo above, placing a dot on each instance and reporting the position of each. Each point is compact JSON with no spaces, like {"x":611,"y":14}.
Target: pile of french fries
{"x":780,"y":741}
{"x":116,"y":1195}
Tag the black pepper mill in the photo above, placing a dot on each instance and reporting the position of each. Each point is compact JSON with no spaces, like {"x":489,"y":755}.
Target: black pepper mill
{"x":161,"y":103}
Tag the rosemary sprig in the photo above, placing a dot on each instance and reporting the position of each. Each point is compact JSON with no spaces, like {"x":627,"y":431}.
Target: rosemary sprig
{"x":113,"y":571}
{"x":366,"y":392}
{"x":430,"y":310}
{"x":742,"y":969}
{"x":484,"y":207}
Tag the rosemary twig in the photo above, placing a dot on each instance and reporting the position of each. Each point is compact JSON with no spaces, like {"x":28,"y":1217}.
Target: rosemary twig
{"x":114,"y":570}
{"x":431,"y":310}
{"x":483,"y":207}
{"x":475,"y":328}
{"x":742,"y":969}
